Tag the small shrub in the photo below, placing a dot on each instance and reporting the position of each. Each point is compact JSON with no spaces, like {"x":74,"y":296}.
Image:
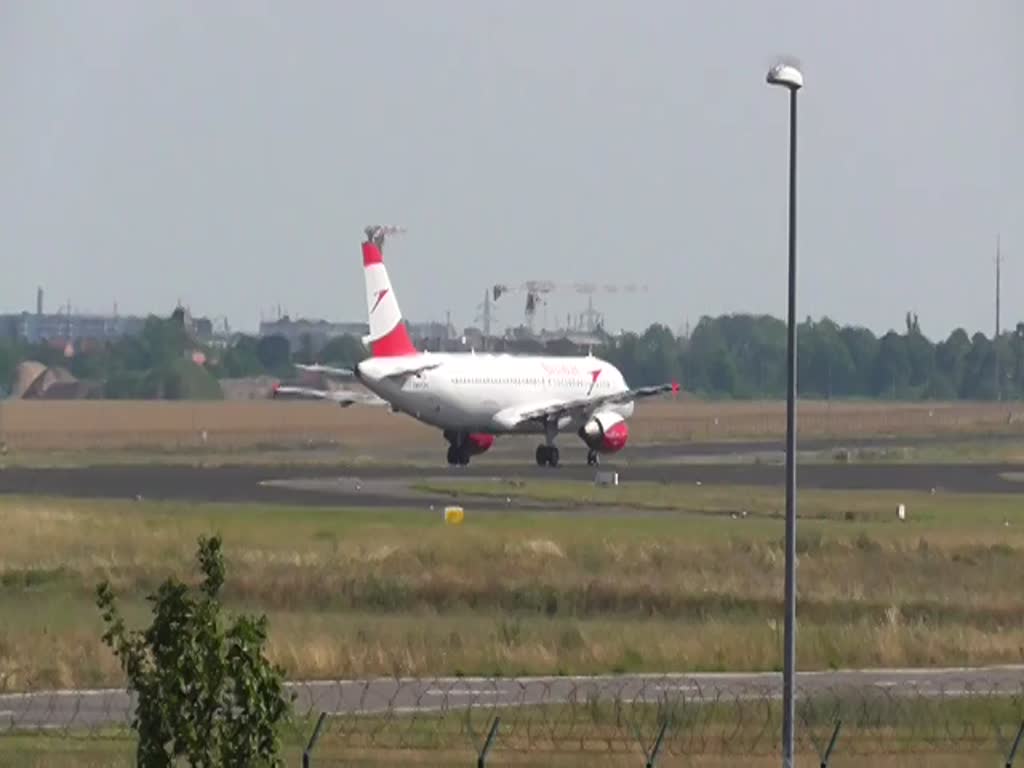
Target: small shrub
{"x":206,"y":692}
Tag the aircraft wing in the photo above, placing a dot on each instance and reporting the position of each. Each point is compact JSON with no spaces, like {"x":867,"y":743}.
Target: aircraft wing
{"x":327,"y":369}
{"x":397,"y":367}
{"x":342,"y":397}
{"x":556,"y":409}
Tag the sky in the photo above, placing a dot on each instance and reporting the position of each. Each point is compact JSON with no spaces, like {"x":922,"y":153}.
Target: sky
{"x":228,"y":155}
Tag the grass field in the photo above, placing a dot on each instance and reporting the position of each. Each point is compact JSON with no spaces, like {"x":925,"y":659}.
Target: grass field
{"x":27,"y":426}
{"x":355,"y":592}
{"x":690,"y":579}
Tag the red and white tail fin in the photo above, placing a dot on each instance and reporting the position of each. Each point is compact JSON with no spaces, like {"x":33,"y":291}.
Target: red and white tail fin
{"x":388,"y":335}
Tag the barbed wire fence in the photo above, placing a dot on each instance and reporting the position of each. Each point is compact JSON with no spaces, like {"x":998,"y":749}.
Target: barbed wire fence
{"x":639,"y":720}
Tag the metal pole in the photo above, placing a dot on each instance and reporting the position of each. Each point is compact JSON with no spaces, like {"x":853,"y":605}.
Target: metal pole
{"x":307,"y":753}
{"x":1015,"y":747}
{"x":789,"y":651}
{"x":831,"y":745}
{"x":481,"y":760}
{"x":653,"y":758}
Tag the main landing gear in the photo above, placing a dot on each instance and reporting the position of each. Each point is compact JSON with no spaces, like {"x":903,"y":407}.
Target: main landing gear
{"x":547,"y":455}
{"x":592,"y":458}
{"x":457,"y":456}
{"x":458,"y":449}
{"x":547,"y":452}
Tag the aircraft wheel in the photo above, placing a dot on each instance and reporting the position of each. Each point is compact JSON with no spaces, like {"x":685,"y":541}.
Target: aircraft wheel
{"x":553,"y":455}
{"x":592,"y":459}
{"x":453,"y":456}
{"x":542,"y":455}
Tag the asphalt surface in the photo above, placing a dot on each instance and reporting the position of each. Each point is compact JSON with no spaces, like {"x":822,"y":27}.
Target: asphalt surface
{"x":387,"y":486}
{"x":98,"y":708}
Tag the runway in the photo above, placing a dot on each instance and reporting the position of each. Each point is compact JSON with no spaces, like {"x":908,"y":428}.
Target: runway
{"x":97,"y":708}
{"x":387,"y":485}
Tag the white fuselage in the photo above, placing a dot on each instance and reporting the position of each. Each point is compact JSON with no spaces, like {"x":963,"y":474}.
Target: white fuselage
{"x":467,"y":390}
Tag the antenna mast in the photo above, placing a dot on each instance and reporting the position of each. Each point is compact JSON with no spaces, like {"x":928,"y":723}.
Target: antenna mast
{"x":995,"y":339}
{"x":378,"y":233}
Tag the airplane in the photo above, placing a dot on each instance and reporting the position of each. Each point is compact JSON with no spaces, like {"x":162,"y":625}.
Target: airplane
{"x":474,"y":397}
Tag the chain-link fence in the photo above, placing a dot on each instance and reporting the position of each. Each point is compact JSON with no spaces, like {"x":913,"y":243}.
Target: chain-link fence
{"x":630,"y":720}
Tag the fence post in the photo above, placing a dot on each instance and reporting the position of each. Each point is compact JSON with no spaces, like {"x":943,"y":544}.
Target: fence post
{"x":481,"y":761}
{"x":831,"y":745}
{"x":1016,"y":746}
{"x":653,"y":757}
{"x":308,"y":751}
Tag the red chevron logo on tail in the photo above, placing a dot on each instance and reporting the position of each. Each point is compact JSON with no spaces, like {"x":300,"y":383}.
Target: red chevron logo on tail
{"x":380,"y":297}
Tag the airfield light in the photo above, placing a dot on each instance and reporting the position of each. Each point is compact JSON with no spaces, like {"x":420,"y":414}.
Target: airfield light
{"x":788,"y":75}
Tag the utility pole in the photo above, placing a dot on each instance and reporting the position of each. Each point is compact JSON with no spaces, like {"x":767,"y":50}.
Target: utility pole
{"x":995,"y":339}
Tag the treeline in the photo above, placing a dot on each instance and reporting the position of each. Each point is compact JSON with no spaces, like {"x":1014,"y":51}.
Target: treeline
{"x":155,"y":364}
{"x":730,"y":356}
{"x":165,"y":361}
{"x":744,"y":356}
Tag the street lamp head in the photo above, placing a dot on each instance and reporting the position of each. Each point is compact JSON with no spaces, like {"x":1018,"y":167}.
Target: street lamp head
{"x":787,"y":75}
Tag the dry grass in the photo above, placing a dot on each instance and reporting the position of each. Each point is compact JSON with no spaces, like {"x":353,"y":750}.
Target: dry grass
{"x":358,"y":593}
{"x":109,"y":425}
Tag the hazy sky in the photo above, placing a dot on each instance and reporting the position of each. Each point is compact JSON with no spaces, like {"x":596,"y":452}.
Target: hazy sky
{"x":230,"y":154}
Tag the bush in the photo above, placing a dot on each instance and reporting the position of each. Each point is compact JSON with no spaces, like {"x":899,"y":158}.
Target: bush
{"x":206,"y":693}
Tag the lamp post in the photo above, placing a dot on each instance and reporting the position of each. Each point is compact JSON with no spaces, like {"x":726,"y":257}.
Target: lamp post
{"x":789,"y":76}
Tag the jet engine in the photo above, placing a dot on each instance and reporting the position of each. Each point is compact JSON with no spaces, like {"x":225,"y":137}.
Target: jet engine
{"x":477,"y":442}
{"x":605,"y":432}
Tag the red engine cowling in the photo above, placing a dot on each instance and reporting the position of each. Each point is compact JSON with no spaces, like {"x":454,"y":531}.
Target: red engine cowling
{"x":478,"y":442}
{"x":605,"y":432}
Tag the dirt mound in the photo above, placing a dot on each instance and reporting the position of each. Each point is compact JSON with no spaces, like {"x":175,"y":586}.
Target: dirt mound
{"x":32,"y":379}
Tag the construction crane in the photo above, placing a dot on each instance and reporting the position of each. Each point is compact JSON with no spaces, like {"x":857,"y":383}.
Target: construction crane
{"x":535,"y":290}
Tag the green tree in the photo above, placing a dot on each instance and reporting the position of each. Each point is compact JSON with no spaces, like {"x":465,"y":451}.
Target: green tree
{"x":165,"y":340}
{"x":920,"y":355}
{"x":9,"y":359}
{"x":240,"y":359}
{"x":344,"y":351}
{"x":979,"y":370}
{"x":275,"y":354}
{"x":824,"y":363}
{"x":892,"y":367}
{"x":206,"y":692}
{"x":951,"y":357}
{"x":185,"y":380}
{"x":862,"y":346}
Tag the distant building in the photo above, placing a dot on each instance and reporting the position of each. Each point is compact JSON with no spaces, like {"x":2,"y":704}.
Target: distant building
{"x":36,"y":328}
{"x":318,"y":332}
{"x":62,"y":328}
{"x":433,"y":335}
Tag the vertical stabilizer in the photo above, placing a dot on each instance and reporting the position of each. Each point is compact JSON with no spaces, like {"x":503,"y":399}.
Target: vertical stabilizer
{"x":388,"y":335}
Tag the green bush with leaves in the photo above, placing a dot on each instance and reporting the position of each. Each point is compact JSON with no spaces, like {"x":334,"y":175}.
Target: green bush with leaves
{"x":206,"y":693}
